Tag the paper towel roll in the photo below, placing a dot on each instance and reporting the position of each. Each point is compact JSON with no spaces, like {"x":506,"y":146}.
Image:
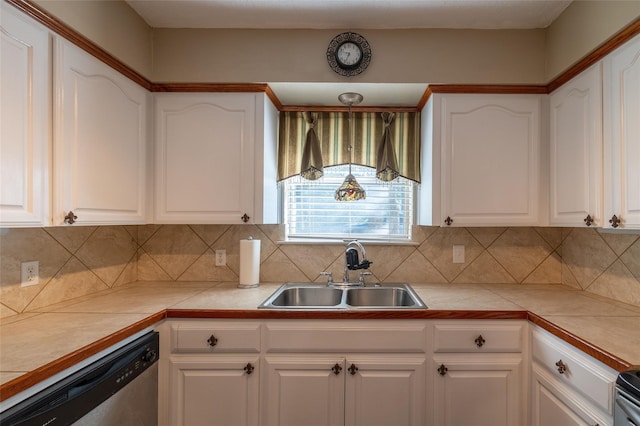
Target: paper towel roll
{"x":249,"y":263}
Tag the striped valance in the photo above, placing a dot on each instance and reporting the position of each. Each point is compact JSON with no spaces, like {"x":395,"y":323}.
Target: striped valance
{"x":332,"y":131}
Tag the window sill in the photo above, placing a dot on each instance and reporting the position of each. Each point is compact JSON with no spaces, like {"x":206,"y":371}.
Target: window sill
{"x":316,"y":241}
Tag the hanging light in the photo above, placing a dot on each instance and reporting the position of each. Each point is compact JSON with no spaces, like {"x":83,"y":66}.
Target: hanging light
{"x":350,"y":190}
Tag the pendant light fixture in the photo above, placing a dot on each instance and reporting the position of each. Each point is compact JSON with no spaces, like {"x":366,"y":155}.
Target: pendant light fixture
{"x":350,"y":190}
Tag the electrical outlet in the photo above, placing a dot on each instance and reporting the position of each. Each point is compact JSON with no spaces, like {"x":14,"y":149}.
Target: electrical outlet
{"x":221,"y":257}
{"x":458,"y":253}
{"x":30,"y":273}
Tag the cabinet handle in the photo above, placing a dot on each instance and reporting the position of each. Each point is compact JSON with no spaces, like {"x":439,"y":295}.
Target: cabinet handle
{"x":588,"y":220}
{"x":442,"y":370}
{"x":248,"y":368}
{"x":480,"y":341}
{"x":614,"y":221}
{"x":448,"y":221}
{"x":336,"y":369}
{"x":212,"y":341}
{"x":70,"y":218}
{"x":562,"y":367}
{"x":353,"y":369}
{"x":245,"y":218}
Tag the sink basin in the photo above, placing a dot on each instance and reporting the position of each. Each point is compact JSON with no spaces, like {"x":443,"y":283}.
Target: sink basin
{"x":319,"y":296}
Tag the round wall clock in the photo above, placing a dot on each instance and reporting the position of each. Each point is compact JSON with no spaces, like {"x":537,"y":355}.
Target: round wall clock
{"x":349,"y":54}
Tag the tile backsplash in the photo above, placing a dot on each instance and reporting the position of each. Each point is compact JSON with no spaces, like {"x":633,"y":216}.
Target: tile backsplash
{"x":78,"y":261}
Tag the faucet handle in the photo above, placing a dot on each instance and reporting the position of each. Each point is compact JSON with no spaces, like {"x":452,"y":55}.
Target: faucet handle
{"x":329,"y":275}
{"x":362,"y":275}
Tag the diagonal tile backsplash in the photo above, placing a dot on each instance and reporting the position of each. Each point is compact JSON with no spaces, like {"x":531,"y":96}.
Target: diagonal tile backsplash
{"x":78,"y":261}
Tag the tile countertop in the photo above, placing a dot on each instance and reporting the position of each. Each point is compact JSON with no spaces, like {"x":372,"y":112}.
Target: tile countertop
{"x":36,"y":345}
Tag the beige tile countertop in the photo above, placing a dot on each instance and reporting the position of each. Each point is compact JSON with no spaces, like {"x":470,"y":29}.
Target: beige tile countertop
{"x":36,"y":345}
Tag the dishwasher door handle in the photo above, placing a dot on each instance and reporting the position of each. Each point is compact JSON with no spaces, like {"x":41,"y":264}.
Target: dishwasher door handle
{"x":630,"y":409}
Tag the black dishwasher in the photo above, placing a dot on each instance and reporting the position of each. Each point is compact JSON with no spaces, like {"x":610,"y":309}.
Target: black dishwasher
{"x":77,"y":396}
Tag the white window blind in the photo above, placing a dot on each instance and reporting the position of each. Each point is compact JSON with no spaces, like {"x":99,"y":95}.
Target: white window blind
{"x":311,"y":211}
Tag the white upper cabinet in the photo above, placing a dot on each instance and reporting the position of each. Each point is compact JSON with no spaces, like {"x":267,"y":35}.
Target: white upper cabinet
{"x":100,"y":142}
{"x":621,"y":92}
{"x":24,"y":121}
{"x":492,"y":169}
{"x":215,"y":158}
{"x":575,"y":131}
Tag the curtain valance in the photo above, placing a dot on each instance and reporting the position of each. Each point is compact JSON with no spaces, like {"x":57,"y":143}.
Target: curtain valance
{"x":331,"y":130}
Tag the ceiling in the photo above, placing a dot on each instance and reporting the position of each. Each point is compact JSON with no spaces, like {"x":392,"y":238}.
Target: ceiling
{"x":349,"y":14}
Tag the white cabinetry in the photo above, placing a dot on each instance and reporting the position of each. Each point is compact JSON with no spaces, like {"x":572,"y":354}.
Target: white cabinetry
{"x":213,"y":374}
{"x":491,"y":160}
{"x":100,"y":141}
{"x":344,"y":372}
{"x":568,"y":387}
{"x":24,"y":121}
{"x":622,"y":136}
{"x":576,"y":151}
{"x":478,"y":373}
{"x":215,"y":158}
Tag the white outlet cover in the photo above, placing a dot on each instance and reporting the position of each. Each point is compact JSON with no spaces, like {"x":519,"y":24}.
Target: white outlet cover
{"x":221,"y":257}
{"x":30,"y":273}
{"x":458,"y":254}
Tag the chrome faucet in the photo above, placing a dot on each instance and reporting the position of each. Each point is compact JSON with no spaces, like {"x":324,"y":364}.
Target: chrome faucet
{"x":352,"y":262}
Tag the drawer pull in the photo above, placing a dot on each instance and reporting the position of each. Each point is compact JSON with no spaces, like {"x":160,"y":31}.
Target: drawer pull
{"x":588,"y":220}
{"x":562,"y":367}
{"x":442,"y":370}
{"x":448,"y":221}
{"x":212,"y":341}
{"x":336,"y":369}
{"x":353,"y":369}
{"x":614,"y":221}
{"x":480,"y":341}
{"x":70,"y":218}
{"x":248,"y":368}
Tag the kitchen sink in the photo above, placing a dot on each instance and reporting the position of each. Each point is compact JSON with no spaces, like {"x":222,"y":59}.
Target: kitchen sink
{"x":336,"y":296}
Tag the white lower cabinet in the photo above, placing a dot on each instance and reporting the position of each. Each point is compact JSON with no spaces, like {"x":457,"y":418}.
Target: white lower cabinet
{"x":328,"y":390}
{"x":568,"y":387}
{"x":478,"y":373}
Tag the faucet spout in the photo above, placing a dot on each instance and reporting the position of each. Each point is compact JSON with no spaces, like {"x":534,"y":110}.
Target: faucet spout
{"x":352,"y":262}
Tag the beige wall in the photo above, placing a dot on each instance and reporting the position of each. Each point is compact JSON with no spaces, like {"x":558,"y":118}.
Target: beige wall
{"x":582,"y":27}
{"x":399,"y":56}
{"x":112,"y":25}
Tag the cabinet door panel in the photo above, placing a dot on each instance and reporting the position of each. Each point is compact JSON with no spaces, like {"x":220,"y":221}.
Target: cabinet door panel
{"x":100,"y":141}
{"x":303,"y":391}
{"x":213,"y":391}
{"x":491,"y":159}
{"x":24,"y":129}
{"x":622,"y":134}
{"x":385,"y":390}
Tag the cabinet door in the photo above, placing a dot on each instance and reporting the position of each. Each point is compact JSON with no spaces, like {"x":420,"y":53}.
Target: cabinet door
{"x":303,"y":390}
{"x":576,"y":151}
{"x":385,"y":390}
{"x":622,"y":135}
{"x":554,"y":404}
{"x":24,"y":117}
{"x":99,"y":142}
{"x":213,"y":391}
{"x":478,"y":390}
{"x":204,"y":157}
{"x":491,"y":160}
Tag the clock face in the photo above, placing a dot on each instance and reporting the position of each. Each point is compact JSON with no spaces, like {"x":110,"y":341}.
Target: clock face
{"x":349,"y":54}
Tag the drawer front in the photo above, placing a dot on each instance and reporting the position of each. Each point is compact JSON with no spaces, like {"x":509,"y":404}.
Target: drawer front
{"x":345,"y":336}
{"x":582,"y":373}
{"x":215,"y":337}
{"x":478,"y":337}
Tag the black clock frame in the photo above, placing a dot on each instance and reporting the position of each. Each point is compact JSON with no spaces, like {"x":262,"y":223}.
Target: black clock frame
{"x":351,"y":70}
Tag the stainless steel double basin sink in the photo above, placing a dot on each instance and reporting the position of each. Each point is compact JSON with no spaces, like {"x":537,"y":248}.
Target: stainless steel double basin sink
{"x":323,"y":296}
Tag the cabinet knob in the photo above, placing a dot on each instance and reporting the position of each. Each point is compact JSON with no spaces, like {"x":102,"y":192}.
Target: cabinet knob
{"x":448,"y":221}
{"x":336,"y":369}
{"x":588,"y":220}
{"x":442,"y":370}
{"x":70,"y":218}
{"x":248,"y":368}
{"x":480,"y":341}
{"x":614,"y":221}
{"x":353,"y":369}
{"x":212,"y":341}
{"x":562,"y":367}
{"x":245,"y":218}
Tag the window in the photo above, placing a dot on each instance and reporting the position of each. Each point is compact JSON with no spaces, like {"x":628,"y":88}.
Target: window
{"x":311,"y":211}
